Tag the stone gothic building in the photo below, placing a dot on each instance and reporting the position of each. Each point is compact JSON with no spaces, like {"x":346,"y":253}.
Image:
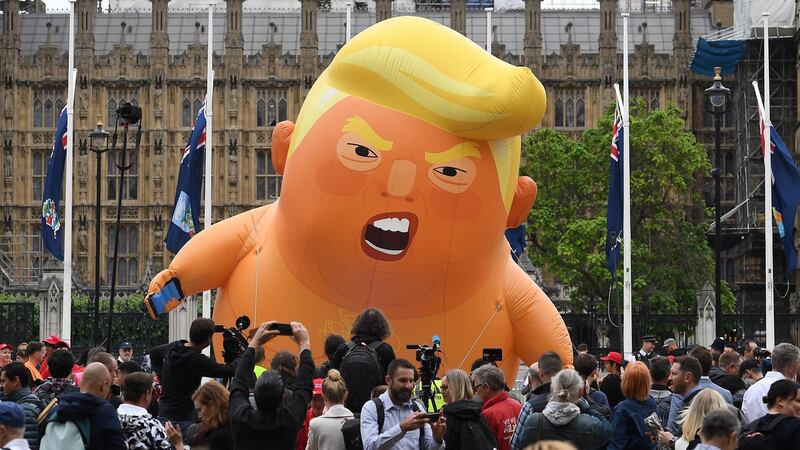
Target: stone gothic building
{"x":265,"y":62}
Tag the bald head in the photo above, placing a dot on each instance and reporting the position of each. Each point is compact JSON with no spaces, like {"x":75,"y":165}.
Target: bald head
{"x":96,"y":380}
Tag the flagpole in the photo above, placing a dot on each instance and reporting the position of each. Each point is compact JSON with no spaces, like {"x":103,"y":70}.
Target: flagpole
{"x":347,"y":24}
{"x":489,"y":29}
{"x":770,"y":302}
{"x":627,"y":319}
{"x":209,"y":144}
{"x":66,"y":306}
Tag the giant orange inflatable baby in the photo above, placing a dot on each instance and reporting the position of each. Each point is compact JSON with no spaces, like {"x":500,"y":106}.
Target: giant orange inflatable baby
{"x":399,"y":180}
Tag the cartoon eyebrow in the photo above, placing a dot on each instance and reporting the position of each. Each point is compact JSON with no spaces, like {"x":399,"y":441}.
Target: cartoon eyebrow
{"x":464,"y":149}
{"x":360,"y":127}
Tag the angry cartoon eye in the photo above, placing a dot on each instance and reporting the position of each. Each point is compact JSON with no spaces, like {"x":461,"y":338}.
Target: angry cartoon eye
{"x":356,"y":156}
{"x":449,"y":171}
{"x":456,"y":177}
{"x":363,"y":151}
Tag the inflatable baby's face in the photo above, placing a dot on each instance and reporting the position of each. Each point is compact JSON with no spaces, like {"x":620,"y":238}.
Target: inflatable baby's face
{"x":387,"y":206}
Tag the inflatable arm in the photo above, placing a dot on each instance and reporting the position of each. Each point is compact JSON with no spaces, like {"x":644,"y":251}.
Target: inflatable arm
{"x":536,"y":323}
{"x":204,"y":263}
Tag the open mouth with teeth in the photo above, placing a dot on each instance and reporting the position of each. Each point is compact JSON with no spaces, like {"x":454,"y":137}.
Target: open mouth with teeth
{"x":388,"y":236}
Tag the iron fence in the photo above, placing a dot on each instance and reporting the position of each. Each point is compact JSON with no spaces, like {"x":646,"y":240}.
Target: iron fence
{"x":19,"y":322}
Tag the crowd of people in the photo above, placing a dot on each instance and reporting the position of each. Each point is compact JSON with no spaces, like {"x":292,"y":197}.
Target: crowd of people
{"x":363,"y":397}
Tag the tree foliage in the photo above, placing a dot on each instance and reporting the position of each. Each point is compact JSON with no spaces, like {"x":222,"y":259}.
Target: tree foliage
{"x":671,"y":259}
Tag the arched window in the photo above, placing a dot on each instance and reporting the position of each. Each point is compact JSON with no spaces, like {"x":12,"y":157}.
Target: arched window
{"x":112,"y":112}
{"x":570,"y":122}
{"x":261,"y":175}
{"x":186,"y":116}
{"x":282,"y":110}
{"x":37,"y":113}
{"x":580,"y":119}
{"x":261,"y":113}
{"x":48,"y":113}
{"x":39,"y":171}
{"x":59,"y":107}
{"x":559,"y":113}
{"x":271,"y":113}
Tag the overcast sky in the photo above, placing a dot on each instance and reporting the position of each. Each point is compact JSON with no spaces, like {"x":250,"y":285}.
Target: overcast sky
{"x":63,"y":5}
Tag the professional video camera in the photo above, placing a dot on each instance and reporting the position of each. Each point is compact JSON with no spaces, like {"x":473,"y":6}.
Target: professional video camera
{"x":234,"y":343}
{"x":492,"y":355}
{"x":761,"y":353}
{"x":430,"y":364}
{"x":129,"y":113}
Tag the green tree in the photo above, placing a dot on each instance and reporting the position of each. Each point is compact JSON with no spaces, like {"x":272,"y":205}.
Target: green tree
{"x":671,"y":259}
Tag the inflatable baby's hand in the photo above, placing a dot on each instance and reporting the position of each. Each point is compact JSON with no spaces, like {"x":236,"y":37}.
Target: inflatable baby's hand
{"x":163,"y":295}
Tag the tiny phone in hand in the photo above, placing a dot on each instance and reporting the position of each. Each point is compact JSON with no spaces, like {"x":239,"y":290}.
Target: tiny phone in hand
{"x":284,"y":329}
{"x":433,"y":417}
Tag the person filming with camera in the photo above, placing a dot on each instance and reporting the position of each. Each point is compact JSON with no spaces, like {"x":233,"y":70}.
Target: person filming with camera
{"x":274,"y":421}
{"x":181,"y":366}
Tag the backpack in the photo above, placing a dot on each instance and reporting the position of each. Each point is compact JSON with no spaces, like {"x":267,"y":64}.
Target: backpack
{"x":362,"y":370}
{"x":477,"y":436}
{"x":351,"y":428}
{"x":58,"y":434}
{"x":761,"y":436}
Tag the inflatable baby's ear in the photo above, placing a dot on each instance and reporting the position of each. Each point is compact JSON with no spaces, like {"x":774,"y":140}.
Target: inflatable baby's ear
{"x":524,"y":196}
{"x":281,"y":138}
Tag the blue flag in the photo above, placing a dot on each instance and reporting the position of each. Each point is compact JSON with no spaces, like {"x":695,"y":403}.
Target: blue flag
{"x":52,"y":233}
{"x":614,"y":213}
{"x":186,"y":213}
{"x":785,"y":193}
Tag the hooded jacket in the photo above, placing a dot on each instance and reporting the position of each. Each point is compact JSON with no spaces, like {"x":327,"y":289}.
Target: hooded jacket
{"x":105,"y":430}
{"x":577,"y":423}
{"x":181,"y":369}
{"x":256,"y":429}
{"x":461,"y":416}
{"x":501,"y":413}
{"x":629,"y":427}
{"x":32,"y":406}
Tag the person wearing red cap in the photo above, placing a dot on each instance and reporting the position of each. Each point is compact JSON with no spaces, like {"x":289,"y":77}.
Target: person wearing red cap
{"x":5,"y":354}
{"x":316,"y":410}
{"x":611,"y":385}
{"x":51,"y":344}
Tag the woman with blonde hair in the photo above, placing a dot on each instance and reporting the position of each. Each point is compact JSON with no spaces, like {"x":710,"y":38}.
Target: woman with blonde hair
{"x":630,"y":431}
{"x":691,"y":419}
{"x":325,"y":431}
{"x":213,"y":432}
{"x":466,"y":426}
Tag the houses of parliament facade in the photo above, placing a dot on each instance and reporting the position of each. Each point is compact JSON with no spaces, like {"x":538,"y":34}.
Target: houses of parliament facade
{"x":265,"y":62}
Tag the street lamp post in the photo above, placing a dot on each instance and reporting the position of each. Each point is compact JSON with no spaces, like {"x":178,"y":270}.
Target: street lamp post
{"x":717,"y":98}
{"x":98,"y":144}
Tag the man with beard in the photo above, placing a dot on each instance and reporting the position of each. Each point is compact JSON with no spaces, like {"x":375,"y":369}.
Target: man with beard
{"x":403,"y":419}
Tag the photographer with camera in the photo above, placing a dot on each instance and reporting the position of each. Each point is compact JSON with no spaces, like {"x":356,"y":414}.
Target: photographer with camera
{"x":785,"y":362}
{"x":181,"y":366}
{"x":274,"y":422}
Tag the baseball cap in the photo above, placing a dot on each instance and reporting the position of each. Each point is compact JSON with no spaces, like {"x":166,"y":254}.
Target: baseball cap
{"x":670,"y":341}
{"x":317,"y":386}
{"x":614,"y":357}
{"x":12,"y":415}
{"x":5,"y":346}
{"x":125,"y":344}
{"x":55,"y":341}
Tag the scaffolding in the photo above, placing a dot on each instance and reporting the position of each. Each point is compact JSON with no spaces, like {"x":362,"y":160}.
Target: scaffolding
{"x":745,"y":233}
{"x":20,"y":260}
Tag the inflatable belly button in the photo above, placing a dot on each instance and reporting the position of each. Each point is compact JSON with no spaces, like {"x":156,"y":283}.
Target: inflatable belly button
{"x":399,"y":179}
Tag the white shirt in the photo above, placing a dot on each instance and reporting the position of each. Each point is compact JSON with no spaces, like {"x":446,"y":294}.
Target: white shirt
{"x":17,"y":444}
{"x":753,"y":405}
{"x":131,"y":410}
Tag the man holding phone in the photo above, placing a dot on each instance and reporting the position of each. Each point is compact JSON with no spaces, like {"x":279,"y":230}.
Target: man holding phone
{"x":273,"y":423}
{"x":405,"y":424}
{"x":181,"y":366}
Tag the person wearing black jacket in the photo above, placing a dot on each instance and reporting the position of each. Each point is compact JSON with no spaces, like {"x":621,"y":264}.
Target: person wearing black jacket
{"x":466,"y":426}
{"x":273,"y":420}
{"x":370,"y":327}
{"x":181,"y":366}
